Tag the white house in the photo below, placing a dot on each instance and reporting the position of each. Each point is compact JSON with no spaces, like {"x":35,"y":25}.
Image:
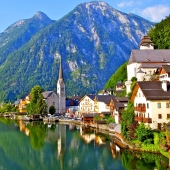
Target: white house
{"x":144,"y":62}
{"x":95,"y":104}
{"x":152,"y":102}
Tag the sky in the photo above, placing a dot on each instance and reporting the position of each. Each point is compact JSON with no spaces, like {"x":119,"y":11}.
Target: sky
{"x":12,"y":11}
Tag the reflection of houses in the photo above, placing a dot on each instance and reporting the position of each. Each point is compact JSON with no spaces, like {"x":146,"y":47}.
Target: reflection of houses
{"x":51,"y":99}
{"x":23,"y":128}
{"x":89,"y":135}
{"x":118,"y":104}
{"x":151,"y":102}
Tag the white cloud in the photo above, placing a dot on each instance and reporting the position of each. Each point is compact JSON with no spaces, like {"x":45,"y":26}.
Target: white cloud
{"x":156,"y":13}
{"x":125,"y":4}
{"x":129,"y":3}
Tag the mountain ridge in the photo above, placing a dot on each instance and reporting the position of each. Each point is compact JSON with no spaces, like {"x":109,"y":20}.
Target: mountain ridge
{"x":93,"y":41}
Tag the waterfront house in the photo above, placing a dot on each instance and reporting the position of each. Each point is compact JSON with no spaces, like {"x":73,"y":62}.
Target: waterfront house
{"x":72,"y":106}
{"x":95,"y":104}
{"x":152,"y":103}
{"x":23,"y":104}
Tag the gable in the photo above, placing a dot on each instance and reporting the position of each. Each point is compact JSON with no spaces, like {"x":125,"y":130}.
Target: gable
{"x":135,"y":90}
{"x":86,"y":99}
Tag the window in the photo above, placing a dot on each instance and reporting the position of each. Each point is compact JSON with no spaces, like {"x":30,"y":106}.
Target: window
{"x":167,"y":105}
{"x":168,"y":115}
{"x":159,"y":105}
{"x":159,"y":116}
{"x":147,"y":105}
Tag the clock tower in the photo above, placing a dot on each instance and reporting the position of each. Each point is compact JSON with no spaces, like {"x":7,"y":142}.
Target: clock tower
{"x":61,"y":91}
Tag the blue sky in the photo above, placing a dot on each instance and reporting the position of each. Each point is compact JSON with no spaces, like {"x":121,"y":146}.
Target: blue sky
{"x":12,"y":11}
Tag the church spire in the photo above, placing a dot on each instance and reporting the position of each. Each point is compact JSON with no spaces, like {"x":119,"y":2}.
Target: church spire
{"x":60,"y":77}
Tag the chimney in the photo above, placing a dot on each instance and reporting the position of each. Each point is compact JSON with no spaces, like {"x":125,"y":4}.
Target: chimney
{"x":164,"y":85}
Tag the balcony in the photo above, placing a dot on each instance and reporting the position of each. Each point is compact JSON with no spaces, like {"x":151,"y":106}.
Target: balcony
{"x":140,"y":109}
{"x":139,"y":119}
{"x":147,"y":120}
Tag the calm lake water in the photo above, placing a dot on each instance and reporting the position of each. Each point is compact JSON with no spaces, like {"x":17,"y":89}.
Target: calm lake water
{"x":38,"y":146}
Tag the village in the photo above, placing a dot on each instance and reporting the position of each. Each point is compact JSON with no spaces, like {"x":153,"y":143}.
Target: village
{"x":150,"y":95}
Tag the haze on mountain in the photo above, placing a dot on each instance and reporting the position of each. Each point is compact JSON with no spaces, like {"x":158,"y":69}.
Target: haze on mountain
{"x":93,"y":40}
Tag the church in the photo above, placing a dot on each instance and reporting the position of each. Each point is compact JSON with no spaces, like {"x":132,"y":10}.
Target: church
{"x":57,"y":100}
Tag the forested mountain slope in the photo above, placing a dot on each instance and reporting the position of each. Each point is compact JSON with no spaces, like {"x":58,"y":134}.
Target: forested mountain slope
{"x":93,"y":40}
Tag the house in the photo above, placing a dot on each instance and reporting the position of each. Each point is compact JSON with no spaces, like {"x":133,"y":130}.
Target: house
{"x":88,"y":117}
{"x":72,"y":106}
{"x":95,"y":104}
{"x":164,"y":73}
{"x":51,"y":99}
{"x":23,"y":104}
{"x":144,"y":62}
{"x":87,"y":105}
{"x":118,"y":104}
{"x":152,"y":102}
{"x":120,"y":86}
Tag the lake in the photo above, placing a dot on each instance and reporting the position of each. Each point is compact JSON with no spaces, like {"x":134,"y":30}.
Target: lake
{"x":39,"y":146}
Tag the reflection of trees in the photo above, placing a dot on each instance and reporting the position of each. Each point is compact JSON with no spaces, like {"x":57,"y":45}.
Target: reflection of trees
{"x":143,"y":160}
{"x":37,"y":135}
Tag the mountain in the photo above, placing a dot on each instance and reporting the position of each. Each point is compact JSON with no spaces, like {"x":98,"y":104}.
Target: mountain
{"x":20,"y":33}
{"x":93,"y":40}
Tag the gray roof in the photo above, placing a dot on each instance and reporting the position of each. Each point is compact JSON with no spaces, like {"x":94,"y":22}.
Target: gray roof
{"x":102,"y":98}
{"x":47,"y":94}
{"x":122,"y":99}
{"x":153,"y":90}
{"x":149,"y":56}
{"x":151,"y":65}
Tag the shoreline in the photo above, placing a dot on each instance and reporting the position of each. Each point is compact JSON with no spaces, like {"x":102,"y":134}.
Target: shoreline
{"x":119,"y":139}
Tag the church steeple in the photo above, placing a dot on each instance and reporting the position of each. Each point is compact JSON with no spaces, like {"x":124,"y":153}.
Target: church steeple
{"x":61,"y":90}
{"x":60,"y":77}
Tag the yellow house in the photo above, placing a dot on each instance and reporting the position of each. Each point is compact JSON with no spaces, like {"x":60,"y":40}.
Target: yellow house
{"x":23,"y":103}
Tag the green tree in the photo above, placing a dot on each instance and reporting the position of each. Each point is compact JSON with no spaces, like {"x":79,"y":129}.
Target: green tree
{"x":128,"y":124}
{"x":37,"y":104}
{"x":7,"y":107}
{"x":144,"y":134}
{"x":52,"y":110}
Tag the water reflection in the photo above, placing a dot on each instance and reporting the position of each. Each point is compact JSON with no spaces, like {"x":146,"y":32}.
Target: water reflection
{"x":67,"y":147}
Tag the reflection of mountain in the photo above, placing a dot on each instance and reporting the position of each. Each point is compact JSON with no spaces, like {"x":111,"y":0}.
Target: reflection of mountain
{"x":64,"y":149}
